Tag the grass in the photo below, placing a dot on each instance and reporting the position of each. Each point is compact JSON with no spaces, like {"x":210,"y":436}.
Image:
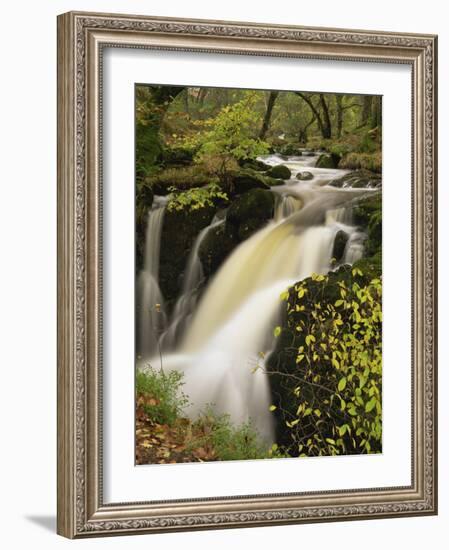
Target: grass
{"x":210,"y":437}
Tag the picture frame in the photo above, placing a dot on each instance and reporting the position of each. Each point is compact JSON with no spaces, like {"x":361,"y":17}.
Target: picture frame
{"x":82,"y":41}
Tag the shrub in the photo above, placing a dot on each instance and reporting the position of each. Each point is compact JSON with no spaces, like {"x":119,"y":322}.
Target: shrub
{"x":232,"y":442}
{"x":161,"y":395}
{"x":196,"y":198}
{"x":334,"y":390}
{"x":181,"y":178}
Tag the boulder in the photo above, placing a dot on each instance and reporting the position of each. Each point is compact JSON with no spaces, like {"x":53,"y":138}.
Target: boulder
{"x":280,"y":171}
{"x":303,"y":176}
{"x":248,"y":179}
{"x":328,"y":160}
{"x":341,"y":238}
{"x":256,"y":204}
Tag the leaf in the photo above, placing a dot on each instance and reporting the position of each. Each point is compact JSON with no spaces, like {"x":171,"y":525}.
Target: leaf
{"x":272,"y":408}
{"x":309,"y":339}
{"x":338,"y":303}
{"x":370,"y":405}
{"x":342,"y":384}
{"x":277,"y":331}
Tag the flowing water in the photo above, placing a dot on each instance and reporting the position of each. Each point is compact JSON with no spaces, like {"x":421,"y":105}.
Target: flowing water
{"x":218,"y":335}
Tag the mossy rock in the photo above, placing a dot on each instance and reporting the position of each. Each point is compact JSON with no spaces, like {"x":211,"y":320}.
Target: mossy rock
{"x":254,"y":164}
{"x":248,"y":179}
{"x":256,"y":204}
{"x":177,"y":156}
{"x":290,"y":149}
{"x":179,"y":231}
{"x":280,"y":171}
{"x":328,"y":160}
{"x":367,"y":214}
{"x":274,"y":182}
{"x":304,"y":176}
{"x":360,"y":179}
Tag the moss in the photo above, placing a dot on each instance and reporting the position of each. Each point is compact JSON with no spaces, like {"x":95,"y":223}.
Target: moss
{"x":248,"y":179}
{"x":328,"y":161}
{"x":280,"y":171}
{"x":366,"y":161}
{"x":181,"y":178}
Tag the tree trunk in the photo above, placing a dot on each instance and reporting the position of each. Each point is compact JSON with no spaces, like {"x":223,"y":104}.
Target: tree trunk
{"x":339,"y":102}
{"x":327,"y":127}
{"x":267,"y":118}
{"x":376,"y":112}
{"x":366,"y":110}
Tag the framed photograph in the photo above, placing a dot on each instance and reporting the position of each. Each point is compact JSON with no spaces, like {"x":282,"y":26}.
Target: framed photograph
{"x":246,"y":274}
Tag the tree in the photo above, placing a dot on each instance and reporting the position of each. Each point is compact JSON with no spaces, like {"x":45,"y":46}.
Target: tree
{"x":152,"y":103}
{"x":320,"y":111}
{"x":267,"y":118}
{"x":228,"y":137}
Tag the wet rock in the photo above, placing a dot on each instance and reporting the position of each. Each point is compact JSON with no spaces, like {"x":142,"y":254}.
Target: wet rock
{"x":215,"y":248}
{"x":341,"y":238}
{"x":303,"y":176}
{"x":290,"y":149}
{"x":359,"y":179}
{"x":179,"y":231}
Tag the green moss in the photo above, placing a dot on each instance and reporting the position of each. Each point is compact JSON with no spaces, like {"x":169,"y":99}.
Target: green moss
{"x":328,"y":161}
{"x":280,"y":171}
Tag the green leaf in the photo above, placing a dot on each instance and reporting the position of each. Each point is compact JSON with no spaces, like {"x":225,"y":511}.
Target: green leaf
{"x":277,"y":331}
{"x":342,"y":384}
{"x":272,"y":408}
{"x":370,"y":405}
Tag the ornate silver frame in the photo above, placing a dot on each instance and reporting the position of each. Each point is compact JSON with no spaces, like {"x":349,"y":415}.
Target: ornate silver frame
{"x":81,"y":37}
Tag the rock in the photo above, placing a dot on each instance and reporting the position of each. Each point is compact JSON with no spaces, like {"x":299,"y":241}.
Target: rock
{"x":280,"y":171}
{"x":359,"y":179}
{"x":179,"y":231}
{"x":273,"y":182}
{"x":327,"y":160}
{"x":304,"y":176}
{"x":247,"y":213}
{"x":256,"y":204}
{"x":341,"y":238}
{"x":247,"y":179}
{"x":367,"y":214}
{"x":254,"y":164}
{"x":215,"y":248}
{"x":290,"y":150}
{"x":177,"y":157}
{"x":308,"y":153}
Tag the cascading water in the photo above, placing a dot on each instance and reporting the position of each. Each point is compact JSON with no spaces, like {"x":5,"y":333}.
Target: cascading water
{"x":219,"y":339}
{"x":150,"y":315}
{"x":188,"y":299}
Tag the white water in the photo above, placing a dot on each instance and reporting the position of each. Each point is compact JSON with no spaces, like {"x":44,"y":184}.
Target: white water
{"x":219,"y":340}
{"x":150,"y":307}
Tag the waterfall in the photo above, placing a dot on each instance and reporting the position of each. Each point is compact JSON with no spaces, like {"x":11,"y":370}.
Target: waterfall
{"x":150,"y":317}
{"x":218,"y":333}
{"x":185,"y":305}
